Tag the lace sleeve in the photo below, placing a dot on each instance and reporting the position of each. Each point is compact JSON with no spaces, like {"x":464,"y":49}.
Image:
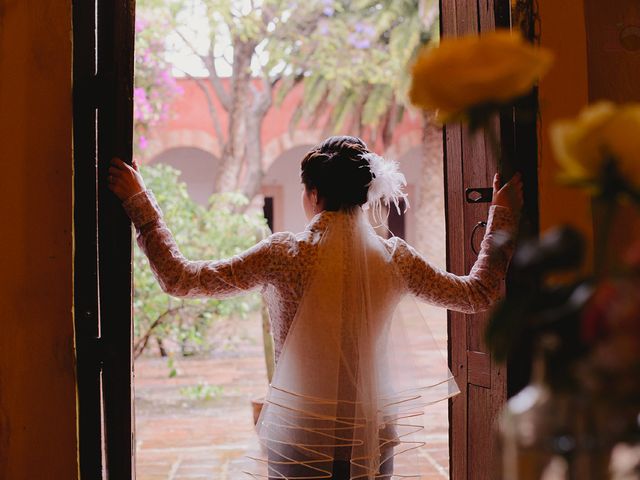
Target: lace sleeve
{"x":471,"y":293}
{"x":181,"y":277}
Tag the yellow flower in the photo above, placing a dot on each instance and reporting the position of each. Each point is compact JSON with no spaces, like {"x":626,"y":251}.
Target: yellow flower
{"x":471,"y":71}
{"x":601,"y":131}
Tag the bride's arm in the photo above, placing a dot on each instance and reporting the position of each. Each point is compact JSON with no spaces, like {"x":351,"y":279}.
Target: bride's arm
{"x":175,"y":274}
{"x":181,"y":277}
{"x":470,"y":293}
{"x":483,"y":286}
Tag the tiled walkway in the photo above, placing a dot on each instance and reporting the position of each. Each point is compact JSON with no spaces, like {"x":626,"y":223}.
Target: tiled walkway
{"x":180,"y":437}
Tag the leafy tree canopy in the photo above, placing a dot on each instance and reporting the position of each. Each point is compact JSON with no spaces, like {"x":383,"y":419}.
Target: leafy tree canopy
{"x":351,"y":56}
{"x":349,"y":53}
{"x":212,"y":232}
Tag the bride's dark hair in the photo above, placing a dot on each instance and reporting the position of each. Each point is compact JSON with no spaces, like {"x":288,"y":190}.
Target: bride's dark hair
{"x":336,"y":169}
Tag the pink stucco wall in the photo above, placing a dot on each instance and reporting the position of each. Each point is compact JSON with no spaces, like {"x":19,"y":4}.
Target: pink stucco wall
{"x":191,"y":126}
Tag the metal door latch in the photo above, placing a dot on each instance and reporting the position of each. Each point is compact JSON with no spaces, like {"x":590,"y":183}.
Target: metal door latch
{"x":478,"y":195}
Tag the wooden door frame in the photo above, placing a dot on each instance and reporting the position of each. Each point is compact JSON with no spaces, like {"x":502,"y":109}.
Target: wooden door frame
{"x":484,"y":385}
{"x":103,"y":104}
{"x":103,"y":40}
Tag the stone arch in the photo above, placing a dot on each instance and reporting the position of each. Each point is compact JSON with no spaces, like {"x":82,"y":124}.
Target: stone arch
{"x":198,"y":169}
{"x":274,"y":148}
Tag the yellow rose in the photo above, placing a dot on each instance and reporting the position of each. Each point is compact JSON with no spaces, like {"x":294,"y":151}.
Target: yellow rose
{"x":471,"y":71}
{"x":601,"y":131}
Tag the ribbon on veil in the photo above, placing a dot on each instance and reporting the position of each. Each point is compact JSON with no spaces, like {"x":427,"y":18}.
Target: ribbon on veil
{"x":348,"y":394}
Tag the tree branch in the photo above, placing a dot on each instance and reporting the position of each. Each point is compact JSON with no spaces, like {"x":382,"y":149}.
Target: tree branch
{"x":214,"y":79}
{"x":210,"y":64}
{"x":187,"y":42}
{"x":212,"y":109}
{"x":254,"y":91}
{"x":142,"y":342}
{"x":263,"y":99}
{"x":267,"y":15}
{"x":266,"y":98}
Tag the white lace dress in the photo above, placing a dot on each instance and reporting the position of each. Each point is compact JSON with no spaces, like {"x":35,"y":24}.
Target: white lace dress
{"x":281,"y":264}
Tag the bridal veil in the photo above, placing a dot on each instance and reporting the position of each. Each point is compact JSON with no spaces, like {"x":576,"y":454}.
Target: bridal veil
{"x":349,"y":390}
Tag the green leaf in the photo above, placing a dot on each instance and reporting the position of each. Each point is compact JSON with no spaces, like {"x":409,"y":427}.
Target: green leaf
{"x":201,"y":233}
{"x":376,"y":105}
{"x":342,"y":110}
{"x":314,"y":92}
{"x":284,"y":88}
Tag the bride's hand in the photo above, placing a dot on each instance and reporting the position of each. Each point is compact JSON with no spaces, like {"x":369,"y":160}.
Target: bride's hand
{"x":124,"y":180}
{"x":510,"y":195}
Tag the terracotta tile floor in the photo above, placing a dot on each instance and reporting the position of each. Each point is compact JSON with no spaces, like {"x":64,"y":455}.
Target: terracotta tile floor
{"x":180,"y":437}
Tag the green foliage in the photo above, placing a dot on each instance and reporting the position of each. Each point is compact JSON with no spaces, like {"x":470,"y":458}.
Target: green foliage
{"x":202,"y":391}
{"x":214,"y":232}
{"x":352,"y":55}
{"x":155,"y":86}
{"x":359,"y":61}
{"x":171,"y":365}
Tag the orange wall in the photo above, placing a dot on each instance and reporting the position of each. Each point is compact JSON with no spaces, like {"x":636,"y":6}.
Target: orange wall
{"x":563,"y":92}
{"x":37,"y":382}
{"x":614,"y":63}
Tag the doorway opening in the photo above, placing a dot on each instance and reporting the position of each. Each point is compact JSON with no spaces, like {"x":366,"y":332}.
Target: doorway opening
{"x":103,"y":92}
{"x":205,"y":364}
{"x":396,"y":221}
{"x":103,"y":35}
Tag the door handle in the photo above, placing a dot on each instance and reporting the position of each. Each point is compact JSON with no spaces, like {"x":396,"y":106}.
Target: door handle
{"x":473,"y":236}
{"x":478,"y":195}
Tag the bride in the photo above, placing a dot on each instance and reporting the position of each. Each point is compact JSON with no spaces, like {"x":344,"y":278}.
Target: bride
{"x":344,"y":400}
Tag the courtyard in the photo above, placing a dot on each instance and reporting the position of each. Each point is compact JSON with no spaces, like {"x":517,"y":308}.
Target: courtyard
{"x":198,"y":424}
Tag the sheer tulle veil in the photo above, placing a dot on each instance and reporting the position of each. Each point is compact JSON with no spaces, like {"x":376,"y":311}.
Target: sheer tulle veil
{"x":350,"y":386}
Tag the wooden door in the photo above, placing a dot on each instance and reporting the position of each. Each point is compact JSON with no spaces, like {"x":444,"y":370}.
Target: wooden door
{"x":103,"y":123}
{"x":469,"y":163}
{"x":103,"y":84}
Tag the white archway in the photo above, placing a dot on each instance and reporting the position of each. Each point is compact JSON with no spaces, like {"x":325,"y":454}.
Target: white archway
{"x":287,"y":141}
{"x":198,"y":169}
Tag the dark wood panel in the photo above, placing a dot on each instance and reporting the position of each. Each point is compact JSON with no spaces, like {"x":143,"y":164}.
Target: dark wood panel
{"x":457,"y":322}
{"x":612,"y":50}
{"x":467,"y":17}
{"x":454,"y":218}
{"x":613,"y":57}
{"x":479,"y":369}
{"x":487,"y":15}
{"x":471,"y":162}
{"x":519,"y":139}
{"x":85,"y":265}
{"x":476,"y":167}
{"x":115,"y":121}
{"x":483,"y":455}
{"x":448,"y":15}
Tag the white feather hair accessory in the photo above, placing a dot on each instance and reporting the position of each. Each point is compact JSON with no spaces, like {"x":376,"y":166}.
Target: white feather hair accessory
{"x":387,"y":184}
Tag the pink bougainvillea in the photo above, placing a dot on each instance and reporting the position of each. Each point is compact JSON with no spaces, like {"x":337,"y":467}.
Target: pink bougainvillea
{"x":155,"y":85}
